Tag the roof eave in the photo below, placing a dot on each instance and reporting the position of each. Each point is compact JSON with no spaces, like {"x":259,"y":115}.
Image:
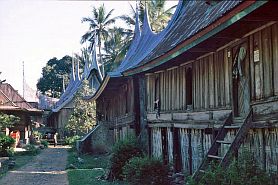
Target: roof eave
{"x":100,"y":89}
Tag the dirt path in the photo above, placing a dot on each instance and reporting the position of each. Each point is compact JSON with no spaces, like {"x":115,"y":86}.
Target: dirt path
{"x":48,"y":168}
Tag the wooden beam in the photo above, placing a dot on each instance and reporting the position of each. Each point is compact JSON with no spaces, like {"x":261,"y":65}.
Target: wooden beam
{"x":201,"y":50}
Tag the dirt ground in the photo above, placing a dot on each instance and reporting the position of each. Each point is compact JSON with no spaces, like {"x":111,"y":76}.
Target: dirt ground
{"x":47,"y":168}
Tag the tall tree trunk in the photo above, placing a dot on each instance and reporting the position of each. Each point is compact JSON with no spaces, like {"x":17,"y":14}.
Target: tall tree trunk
{"x":100,"y":58}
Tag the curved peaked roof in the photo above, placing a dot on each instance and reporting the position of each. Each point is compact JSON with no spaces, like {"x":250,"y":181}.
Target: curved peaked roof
{"x":76,"y":81}
{"x":191,"y":26}
{"x":192,"y":23}
{"x":144,"y":42}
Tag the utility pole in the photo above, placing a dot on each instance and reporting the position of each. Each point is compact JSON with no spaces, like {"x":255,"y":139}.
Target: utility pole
{"x":23,"y":80}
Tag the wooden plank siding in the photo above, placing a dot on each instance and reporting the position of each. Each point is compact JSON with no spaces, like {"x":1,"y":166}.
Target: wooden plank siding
{"x":274,"y":31}
{"x":212,"y":76}
{"x":212,"y":89}
{"x":264,"y":77}
{"x":211,"y":84}
{"x":117,"y":107}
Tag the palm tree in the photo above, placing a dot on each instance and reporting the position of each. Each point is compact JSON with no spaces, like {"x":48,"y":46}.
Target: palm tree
{"x":98,"y":30}
{"x":115,"y":47}
{"x":158,"y":15}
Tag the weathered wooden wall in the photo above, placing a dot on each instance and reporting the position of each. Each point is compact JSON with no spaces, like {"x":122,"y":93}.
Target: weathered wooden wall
{"x":211,"y":85}
{"x":262,"y":144}
{"x":264,"y":72}
{"x":194,"y":143}
{"x":117,"y":103}
{"x":212,"y":90}
{"x":156,"y":143}
{"x":212,"y":76}
{"x":117,"y":107}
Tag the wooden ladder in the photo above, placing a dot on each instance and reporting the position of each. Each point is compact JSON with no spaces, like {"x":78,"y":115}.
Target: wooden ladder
{"x":212,"y":154}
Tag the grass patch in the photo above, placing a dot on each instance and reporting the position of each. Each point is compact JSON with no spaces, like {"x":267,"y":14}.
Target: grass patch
{"x":90,"y":161}
{"x":88,"y":177}
{"x":85,"y":173}
{"x":20,"y":160}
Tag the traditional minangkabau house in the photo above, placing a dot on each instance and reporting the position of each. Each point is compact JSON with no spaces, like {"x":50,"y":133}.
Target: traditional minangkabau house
{"x":205,"y":88}
{"x":11,"y":102}
{"x":64,"y":107}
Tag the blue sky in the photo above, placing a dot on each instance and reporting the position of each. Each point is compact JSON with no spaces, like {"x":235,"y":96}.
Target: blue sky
{"x":36,"y":31}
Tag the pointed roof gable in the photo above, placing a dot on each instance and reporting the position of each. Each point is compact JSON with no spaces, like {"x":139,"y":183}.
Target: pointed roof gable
{"x":76,"y":81}
{"x":190,"y":18}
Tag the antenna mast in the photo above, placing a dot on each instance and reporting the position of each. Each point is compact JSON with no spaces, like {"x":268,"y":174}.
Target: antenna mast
{"x":23,"y":80}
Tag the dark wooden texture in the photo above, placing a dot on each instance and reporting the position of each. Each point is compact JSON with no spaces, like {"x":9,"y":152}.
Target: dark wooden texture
{"x":241,"y":134}
{"x":214,"y":147}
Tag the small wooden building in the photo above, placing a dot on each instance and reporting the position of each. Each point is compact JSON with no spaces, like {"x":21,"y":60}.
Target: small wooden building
{"x":11,"y":102}
{"x":63,"y":109}
{"x":207,"y":85}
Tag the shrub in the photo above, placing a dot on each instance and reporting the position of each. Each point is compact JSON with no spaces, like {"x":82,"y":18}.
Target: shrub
{"x":243,"y":171}
{"x":44,"y":143}
{"x":99,"y":149}
{"x":6,"y":142}
{"x":72,"y":140}
{"x":145,"y":171}
{"x":122,"y":151}
{"x":31,"y":149}
{"x":10,"y":152}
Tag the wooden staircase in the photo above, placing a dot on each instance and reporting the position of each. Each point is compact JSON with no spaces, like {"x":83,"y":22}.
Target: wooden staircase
{"x":243,"y":125}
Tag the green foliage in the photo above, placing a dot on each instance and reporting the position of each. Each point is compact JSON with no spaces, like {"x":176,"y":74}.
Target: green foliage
{"x":31,"y":150}
{"x":89,"y":177}
{"x":243,"y":171}
{"x":51,"y":82}
{"x":90,"y":161}
{"x":10,"y":152}
{"x":44,"y":143}
{"x":6,"y":142}
{"x":83,"y":117}
{"x":37,"y":134}
{"x":145,"y":171}
{"x":158,"y":15}
{"x":7,"y":121}
{"x":90,"y":171}
{"x":115,"y":47}
{"x":98,"y":30}
{"x":72,"y":140}
{"x":122,"y":152}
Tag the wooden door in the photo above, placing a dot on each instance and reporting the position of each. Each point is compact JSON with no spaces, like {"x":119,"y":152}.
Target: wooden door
{"x":240,"y":72}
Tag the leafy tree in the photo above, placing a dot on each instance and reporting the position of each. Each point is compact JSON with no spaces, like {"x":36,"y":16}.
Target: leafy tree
{"x":159,"y":17}
{"x":83,"y":117}
{"x":98,"y":30}
{"x":52,"y":75}
{"x":7,"y":121}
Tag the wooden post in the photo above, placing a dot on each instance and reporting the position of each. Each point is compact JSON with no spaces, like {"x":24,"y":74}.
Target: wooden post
{"x":144,"y":136}
{"x":267,"y":61}
{"x":275,"y":57}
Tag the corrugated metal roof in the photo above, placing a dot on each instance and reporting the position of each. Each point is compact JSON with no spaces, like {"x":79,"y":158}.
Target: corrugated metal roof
{"x":194,"y":17}
{"x":189,"y":18}
{"x":14,"y":100}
